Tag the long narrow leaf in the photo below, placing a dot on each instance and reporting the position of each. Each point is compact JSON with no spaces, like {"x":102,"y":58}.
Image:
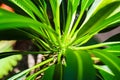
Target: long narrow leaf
{"x":23,"y":6}
{"x":94,"y":46}
{"x":105,"y":72}
{"x":28,"y":70}
{"x":97,"y":18}
{"x":94,"y":23}
{"x":112,"y":61}
{"x":56,"y":14}
{"x":84,"y":6}
{"x":113,"y":49}
{"x":71,"y":12}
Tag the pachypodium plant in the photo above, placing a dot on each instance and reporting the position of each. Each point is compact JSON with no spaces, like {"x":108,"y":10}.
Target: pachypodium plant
{"x":64,"y":29}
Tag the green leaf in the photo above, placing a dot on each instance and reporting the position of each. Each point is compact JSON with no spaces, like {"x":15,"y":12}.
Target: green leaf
{"x":109,"y":59}
{"x":54,"y":72}
{"x":33,"y":8}
{"x":85,"y":4}
{"x":107,"y":76}
{"x":94,"y":46}
{"x":29,"y":7}
{"x":79,"y":64}
{"x":12,"y":20}
{"x":28,"y":70}
{"x":56,"y":14}
{"x":48,"y":74}
{"x":7,"y":64}
{"x":107,"y":22}
{"x":105,"y":72}
{"x":24,"y":7}
{"x":58,"y":72}
{"x":33,"y":76}
{"x":72,"y":6}
{"x":113,"y":49}
{"x":93,"y":25}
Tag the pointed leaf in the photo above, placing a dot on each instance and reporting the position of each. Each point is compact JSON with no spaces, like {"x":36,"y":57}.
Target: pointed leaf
{"x":105,"y":72}
{"x":28,"y":70}
{"x":56,"y":14}
{"x":93,"y":23}
{"x":10,"y":20}
{"x":109,"y":59}
{"x":85,"y":4}
{"x":23,"y":6}
{"x":98,"y":22}
{"x":33,"y":76}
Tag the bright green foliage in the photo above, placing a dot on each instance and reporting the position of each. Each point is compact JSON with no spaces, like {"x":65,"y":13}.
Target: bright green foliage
{"x":106,"y":72}
{"x":62,"y":28}
{"x":7,"y":64}
{"x":109,"y":59}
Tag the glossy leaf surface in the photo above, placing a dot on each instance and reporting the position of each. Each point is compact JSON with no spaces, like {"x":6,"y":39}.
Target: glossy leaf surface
{"x":79,"y":65}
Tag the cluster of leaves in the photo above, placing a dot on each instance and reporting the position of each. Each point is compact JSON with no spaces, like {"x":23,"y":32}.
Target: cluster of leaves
{"x":64,"y":28}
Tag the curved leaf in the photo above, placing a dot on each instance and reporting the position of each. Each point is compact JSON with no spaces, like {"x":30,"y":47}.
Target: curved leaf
{"x":85,"y":4}
{"x":56,"y":14}
{"x":33,"y":76}
{"x":28,"y":70}
{"x":93,"y":25}
{"x":23,"y":6}
{"x":48,"y":74}
{"x":105,"y":72}
{"x":54,"y":72}
{"x":29,"y":8}
{"x":109,"y":59}
{"x":10,"y":20}
{"x":79,"y":65}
